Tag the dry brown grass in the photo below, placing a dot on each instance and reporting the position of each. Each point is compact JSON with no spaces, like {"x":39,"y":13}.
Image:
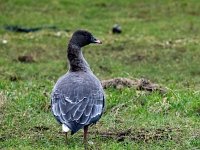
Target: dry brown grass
{"x":2,"y":99}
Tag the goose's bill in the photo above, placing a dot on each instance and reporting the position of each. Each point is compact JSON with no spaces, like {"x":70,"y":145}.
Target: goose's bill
{"x":97,"y":41}
{"x":94,"y":40}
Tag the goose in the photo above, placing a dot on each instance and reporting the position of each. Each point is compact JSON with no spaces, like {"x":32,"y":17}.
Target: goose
{"x":78,"y":99}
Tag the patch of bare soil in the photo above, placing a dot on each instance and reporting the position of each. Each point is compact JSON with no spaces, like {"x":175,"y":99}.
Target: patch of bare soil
{"x":13,"y":78}
{"x":40,"y":128}
{"x":144,"y":135}
{"x":139,"y":84}
{"x":26,"y":59}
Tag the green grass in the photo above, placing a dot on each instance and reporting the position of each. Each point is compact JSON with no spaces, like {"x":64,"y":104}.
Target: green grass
{"x":160,"y":42}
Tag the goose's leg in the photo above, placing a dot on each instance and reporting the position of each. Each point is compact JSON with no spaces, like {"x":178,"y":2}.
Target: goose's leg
{"x":85,"y":136}
{"x":66,"y":137}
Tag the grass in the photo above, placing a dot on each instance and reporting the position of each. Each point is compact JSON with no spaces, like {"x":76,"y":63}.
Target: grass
{"x":160,"y":42}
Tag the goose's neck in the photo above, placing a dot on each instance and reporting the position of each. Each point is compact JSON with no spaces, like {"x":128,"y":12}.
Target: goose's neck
{"x":76,"y":60}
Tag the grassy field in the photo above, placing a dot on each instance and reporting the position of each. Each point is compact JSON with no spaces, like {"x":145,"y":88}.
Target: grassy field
{"x":160,"y":41}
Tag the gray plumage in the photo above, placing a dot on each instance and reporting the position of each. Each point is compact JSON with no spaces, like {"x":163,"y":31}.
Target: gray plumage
{"x":77,"y":99}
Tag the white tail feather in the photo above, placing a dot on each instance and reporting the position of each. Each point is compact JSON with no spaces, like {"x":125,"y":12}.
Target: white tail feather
{"x":65,"y":128}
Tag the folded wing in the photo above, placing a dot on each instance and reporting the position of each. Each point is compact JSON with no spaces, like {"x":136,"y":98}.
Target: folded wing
{"x":77,"y":105}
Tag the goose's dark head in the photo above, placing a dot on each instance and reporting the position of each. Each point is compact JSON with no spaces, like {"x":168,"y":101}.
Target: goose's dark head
{"x":82,"y":38}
